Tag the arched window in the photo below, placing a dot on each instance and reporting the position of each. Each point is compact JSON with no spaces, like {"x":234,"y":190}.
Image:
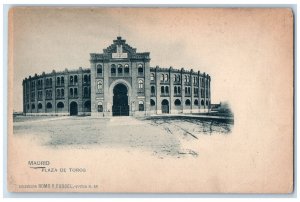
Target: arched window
{"x":62,"y":80}
{"x":187,"y":102}
{"x":85,"y":78}
{"x":178,"y":78}
{"x":50,"y":81}
{"x":85,"y":92}
{"x":167,"y":89}
{"x":58,"y":81}
{"x":152,"y":102}
{"x":206,"y":102}
{"x":75,"y":92}
{"x":140,"y":70}
{"x":175,"y":90}
{"x":153,"y":89}
{"x":179,"y":90}
{"x":175,"y":77}
{"x":162,"y":89}
{"x":202,"y":102}
{"x":60,"y":105}
{"x":62,"y":92}
{"x":32,"y":106}
{"x":113,"y":70}
{"x":152,"y":77}
{"x":162,"y":77}
{"x":57,"y":92}
{"x":99,"y":86}
{"x":40,"y":106}
{"x":100,"y":107}
{"x":99,"y":70}
{"x":71,"y":80}
{"x":196,"y":91}
{"x":120,"y":70}
{"x":185,"y":78}
{"x":177,"y":102}
{"x":141,"y":106}
{"x":71,"y":92}
{"x":49,"y":105}
{"x":126,"y":69}
{"x":166,"y":77}
{"x":196,"y":102}
{"x":32,"y":95}
{"x":75,"y":79}
{"x":141,"y":84}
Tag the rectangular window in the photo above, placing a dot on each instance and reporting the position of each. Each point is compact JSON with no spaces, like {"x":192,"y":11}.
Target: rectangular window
{"x":100,"y":108}
{"x":141,"y":107}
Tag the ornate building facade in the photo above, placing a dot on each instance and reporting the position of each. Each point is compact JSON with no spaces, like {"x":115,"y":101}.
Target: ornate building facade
{"x":120,"y":82}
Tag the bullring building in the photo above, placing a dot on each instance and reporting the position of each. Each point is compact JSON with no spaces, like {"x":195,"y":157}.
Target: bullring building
{"x":119,"y":82}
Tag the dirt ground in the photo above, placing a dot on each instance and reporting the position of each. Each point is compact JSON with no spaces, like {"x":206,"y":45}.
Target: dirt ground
{"x":173,"y":137}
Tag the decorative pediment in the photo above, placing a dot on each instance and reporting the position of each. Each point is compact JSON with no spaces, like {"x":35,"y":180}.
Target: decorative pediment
{"x":118,"y":47}
{"x":119,"y":50}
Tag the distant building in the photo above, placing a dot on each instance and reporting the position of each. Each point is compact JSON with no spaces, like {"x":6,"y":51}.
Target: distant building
{"x":120,"y":82}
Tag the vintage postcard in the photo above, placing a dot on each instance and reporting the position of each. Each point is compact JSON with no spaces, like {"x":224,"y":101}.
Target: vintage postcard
{"x":150,"y":100}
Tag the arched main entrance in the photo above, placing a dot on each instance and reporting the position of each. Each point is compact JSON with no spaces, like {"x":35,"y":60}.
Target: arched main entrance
{"x":73,"y":109}
{"x":165,"y":106}
{"x":120,"y":101}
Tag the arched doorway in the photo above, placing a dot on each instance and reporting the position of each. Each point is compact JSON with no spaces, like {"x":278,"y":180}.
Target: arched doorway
{"x":120,"y":101}
{"x":73,"y":109}
{"x":49,"y":107}
{"x":165,"y":106}
{"x":87,"y":106}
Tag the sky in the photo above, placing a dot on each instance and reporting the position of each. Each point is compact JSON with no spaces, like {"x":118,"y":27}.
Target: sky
{"x":226,"y":44}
